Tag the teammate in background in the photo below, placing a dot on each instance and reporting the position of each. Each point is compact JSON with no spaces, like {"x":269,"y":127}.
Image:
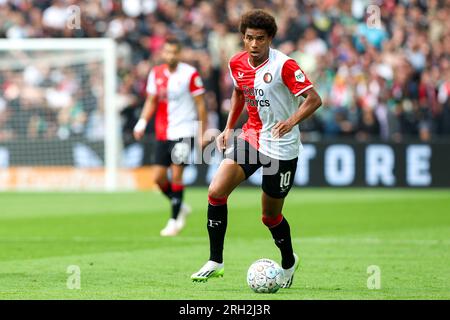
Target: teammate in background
{"x":269,"y":84}
{"x":175,"y":93}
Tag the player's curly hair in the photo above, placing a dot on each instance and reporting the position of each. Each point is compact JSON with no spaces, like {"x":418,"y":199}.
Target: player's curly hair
{"x":259,"y":19}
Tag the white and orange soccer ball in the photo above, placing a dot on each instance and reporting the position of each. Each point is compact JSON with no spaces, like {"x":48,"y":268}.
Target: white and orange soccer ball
{"x":265,"y":276}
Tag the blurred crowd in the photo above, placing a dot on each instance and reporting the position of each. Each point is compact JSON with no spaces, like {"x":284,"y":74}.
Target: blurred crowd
{"x":382,"y":68}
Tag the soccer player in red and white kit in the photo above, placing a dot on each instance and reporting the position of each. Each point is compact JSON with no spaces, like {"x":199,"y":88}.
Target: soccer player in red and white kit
{"x":176,"y":95}
{"x":270,"y":85}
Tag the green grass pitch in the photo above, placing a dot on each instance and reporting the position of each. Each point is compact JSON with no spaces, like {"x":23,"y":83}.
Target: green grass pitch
{"x":114,"y":239}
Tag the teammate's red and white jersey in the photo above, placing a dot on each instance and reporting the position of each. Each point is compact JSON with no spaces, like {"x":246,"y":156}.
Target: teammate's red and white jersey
{"x":176,"y":113}
{"x":272,"y":93}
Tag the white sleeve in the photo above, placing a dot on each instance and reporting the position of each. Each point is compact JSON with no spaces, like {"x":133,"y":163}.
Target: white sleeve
{"x":151,"y":85}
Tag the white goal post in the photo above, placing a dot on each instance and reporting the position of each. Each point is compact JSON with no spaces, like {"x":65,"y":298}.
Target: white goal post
{"x":78,"y":59}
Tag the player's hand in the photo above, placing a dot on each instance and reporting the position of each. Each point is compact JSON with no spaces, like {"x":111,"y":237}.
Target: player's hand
{"x":139,"y":129}
{"x":222,"y":139}
{"x":281,"y":128}
{"x":138,"y":134}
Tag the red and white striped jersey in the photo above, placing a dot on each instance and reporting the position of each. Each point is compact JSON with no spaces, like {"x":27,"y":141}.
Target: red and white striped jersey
{"x":272,"y":93}
{"x":176,"y":113}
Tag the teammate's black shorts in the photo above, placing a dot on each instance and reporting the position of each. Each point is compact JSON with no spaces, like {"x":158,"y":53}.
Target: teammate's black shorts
{"x":177,"y":152}
{"x":278,"y":175}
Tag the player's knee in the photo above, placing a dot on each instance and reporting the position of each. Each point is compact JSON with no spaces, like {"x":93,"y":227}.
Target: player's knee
{"x":216,"y":197}
{"x":160,"y":178}
{"x":161,"y":182}
{"x":214,"y":191}
{"x":163,"y":185}
{"x":272,"y":220}
{"x":177,"y":181}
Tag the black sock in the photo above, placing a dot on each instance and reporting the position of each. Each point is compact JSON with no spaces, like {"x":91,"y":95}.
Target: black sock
{"x":217,"y":226}
{"x":176,"y":199}
{"x":282,"y":236}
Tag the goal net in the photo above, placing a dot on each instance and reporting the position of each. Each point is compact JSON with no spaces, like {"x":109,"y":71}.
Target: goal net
{"x":59,"y":126}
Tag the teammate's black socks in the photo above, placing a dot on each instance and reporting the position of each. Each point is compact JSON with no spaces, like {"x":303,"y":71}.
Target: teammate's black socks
{"x":174,"y":193}
{"x":176,"y":199}
{"x":217,"y":226}
{"x":281,"y":234}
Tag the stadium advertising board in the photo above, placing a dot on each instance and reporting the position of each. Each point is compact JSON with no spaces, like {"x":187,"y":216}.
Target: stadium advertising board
{"x":320,"y":164}
{"x":367,"y":165}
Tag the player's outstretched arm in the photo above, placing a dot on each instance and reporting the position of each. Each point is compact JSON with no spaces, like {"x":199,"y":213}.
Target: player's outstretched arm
{"x":306,"y":109}
{"x":237,"y":104}
{"x":147,"y":113}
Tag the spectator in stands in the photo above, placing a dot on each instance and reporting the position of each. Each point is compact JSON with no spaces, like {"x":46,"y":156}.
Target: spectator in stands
{"x":386,"y":79}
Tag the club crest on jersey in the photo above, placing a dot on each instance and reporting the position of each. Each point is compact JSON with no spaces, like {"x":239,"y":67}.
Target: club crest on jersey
{"x":299,"y":76}
{"x":267,"y":78}
{"x":198,"y":82}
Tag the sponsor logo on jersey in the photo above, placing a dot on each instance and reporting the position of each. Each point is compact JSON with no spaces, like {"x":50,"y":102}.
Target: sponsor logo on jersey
{"x":253,"y":97}
{"x":257,"y":102}
{"x":267,"y":78}
{"x":240,"y":75}
{"x":299,"y":76}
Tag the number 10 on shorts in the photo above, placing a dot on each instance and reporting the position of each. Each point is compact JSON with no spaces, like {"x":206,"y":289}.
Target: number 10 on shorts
{"x":285,"y":178}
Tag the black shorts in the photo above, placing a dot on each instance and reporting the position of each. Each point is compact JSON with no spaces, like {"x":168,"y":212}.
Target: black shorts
{"x":278,"y":175}
{"x":177,"y":152}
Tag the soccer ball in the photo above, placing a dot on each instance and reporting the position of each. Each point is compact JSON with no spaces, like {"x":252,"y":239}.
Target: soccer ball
{"x":264,"y":276}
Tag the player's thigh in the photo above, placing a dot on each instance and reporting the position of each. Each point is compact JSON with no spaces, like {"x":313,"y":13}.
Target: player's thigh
{"x":180,"y":156}
{"x":227,"y":178}
{"x":177,"y":173}
{"x":246,"y":156}
{"x":181,"y":150}
{"x":271,"y":207}
{"x":162,"y":153}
